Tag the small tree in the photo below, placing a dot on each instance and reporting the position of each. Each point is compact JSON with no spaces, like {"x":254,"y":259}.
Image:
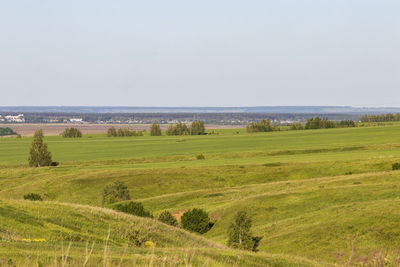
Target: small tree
{"x":39,"y":155}
{"x":197,"y":128}
{"x":168,"y":218}
{"x":196,"y":220}
{"x":155,"y":129}
{"x":115,"y":192}
{"x":239,"y":233}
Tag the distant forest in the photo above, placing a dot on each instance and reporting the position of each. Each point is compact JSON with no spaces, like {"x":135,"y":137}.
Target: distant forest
{"x":166,"y":118}
{"x":381,"y":117}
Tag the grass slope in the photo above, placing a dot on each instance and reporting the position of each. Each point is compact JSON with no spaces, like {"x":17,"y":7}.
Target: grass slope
{"x":41,"y":232}
{"x":319,"y":197}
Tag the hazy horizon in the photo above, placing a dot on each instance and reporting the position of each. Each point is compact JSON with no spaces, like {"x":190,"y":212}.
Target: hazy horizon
{"x":205,"y":54}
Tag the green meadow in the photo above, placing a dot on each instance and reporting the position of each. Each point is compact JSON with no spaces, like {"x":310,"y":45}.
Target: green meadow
{"x":324,"y":197}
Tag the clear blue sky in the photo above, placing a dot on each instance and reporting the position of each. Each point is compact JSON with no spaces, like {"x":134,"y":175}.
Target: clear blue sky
{"x":200,"y":53}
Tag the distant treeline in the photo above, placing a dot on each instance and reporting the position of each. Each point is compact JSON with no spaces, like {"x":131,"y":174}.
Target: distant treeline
{"x":165,"y":118}
{"x":312,"y":123}
{"x":381,"y":117}
{"x":112,"y":132}
{"x":7,"y":131}
{"x":196,"y":128}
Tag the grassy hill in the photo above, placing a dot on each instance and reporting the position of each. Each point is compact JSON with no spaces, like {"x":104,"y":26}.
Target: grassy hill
{"x":48,"y":233}
{"x":318,"y":197}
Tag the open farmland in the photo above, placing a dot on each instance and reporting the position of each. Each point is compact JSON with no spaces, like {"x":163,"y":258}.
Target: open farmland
{"x":317,"y":197}
{"x":28,"y":129}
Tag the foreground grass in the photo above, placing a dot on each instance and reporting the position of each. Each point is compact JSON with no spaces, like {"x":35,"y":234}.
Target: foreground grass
{"x":49,"y":233}
{"x":323,"y":197}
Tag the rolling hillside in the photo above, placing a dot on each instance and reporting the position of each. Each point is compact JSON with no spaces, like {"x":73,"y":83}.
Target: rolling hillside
{"x":317,"y":197}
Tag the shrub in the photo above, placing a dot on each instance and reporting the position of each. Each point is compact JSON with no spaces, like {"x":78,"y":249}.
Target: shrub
{"x":33,"y":197}
{"x":71,"y":133}
{"x":396,"y":166}
{"x":134,"y":208}
{"x":111,"y":132}
{"x":296,"y":126}
{"x":239,"y":233}
{"x":7,"y":131}
{"x":167,"y":218}
{"x":115,"y":192}
{"x":347,"y":123}
{"x":200,"y":156}
{"x":196,"y":220}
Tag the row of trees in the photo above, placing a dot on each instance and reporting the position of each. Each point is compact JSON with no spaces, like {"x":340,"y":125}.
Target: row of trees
{"x":194,"y":220}
{"x":381,"y":117}
{"x":196,"y":128}
{"x":312,"y":123}
{"x":324,"y":123}
{"x":261,"y":126}
{"x":112,"y":132}
{"x":71,"y":133}
{"x":319,"y":123}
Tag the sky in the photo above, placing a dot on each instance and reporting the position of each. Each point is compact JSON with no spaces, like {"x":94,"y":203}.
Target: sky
{"x":200,"y":53}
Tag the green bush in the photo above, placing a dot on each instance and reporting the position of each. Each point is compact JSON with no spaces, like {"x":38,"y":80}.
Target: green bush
{"x":396,"y":166}
{"x":134,"y":208}
{"x":115,"y":192}
{"x":7,"y":131}
{"x":71,"y":133}
{"x":33,"y":197}
{"x":296,"y":126}
{"x":168,"y":218}
{"x":200,"y":156}
{"x":196,"y":220}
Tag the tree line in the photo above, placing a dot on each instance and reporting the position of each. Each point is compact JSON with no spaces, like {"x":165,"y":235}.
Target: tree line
{"x":312,"y":123}
{"x":381,"y":117}
{"x":112,"y":132}
{"x":195,"y":128}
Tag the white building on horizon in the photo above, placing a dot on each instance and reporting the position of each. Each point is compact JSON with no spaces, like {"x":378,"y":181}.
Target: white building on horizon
{"x":18,"y":118}
{"x":76,"y":120}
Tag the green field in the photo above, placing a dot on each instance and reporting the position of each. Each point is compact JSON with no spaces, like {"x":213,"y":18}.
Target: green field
{"x":317,"y":197}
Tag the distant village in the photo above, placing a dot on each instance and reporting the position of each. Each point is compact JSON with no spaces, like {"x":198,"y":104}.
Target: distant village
{"x":162,"y":118}
{"x":20,"y":118}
